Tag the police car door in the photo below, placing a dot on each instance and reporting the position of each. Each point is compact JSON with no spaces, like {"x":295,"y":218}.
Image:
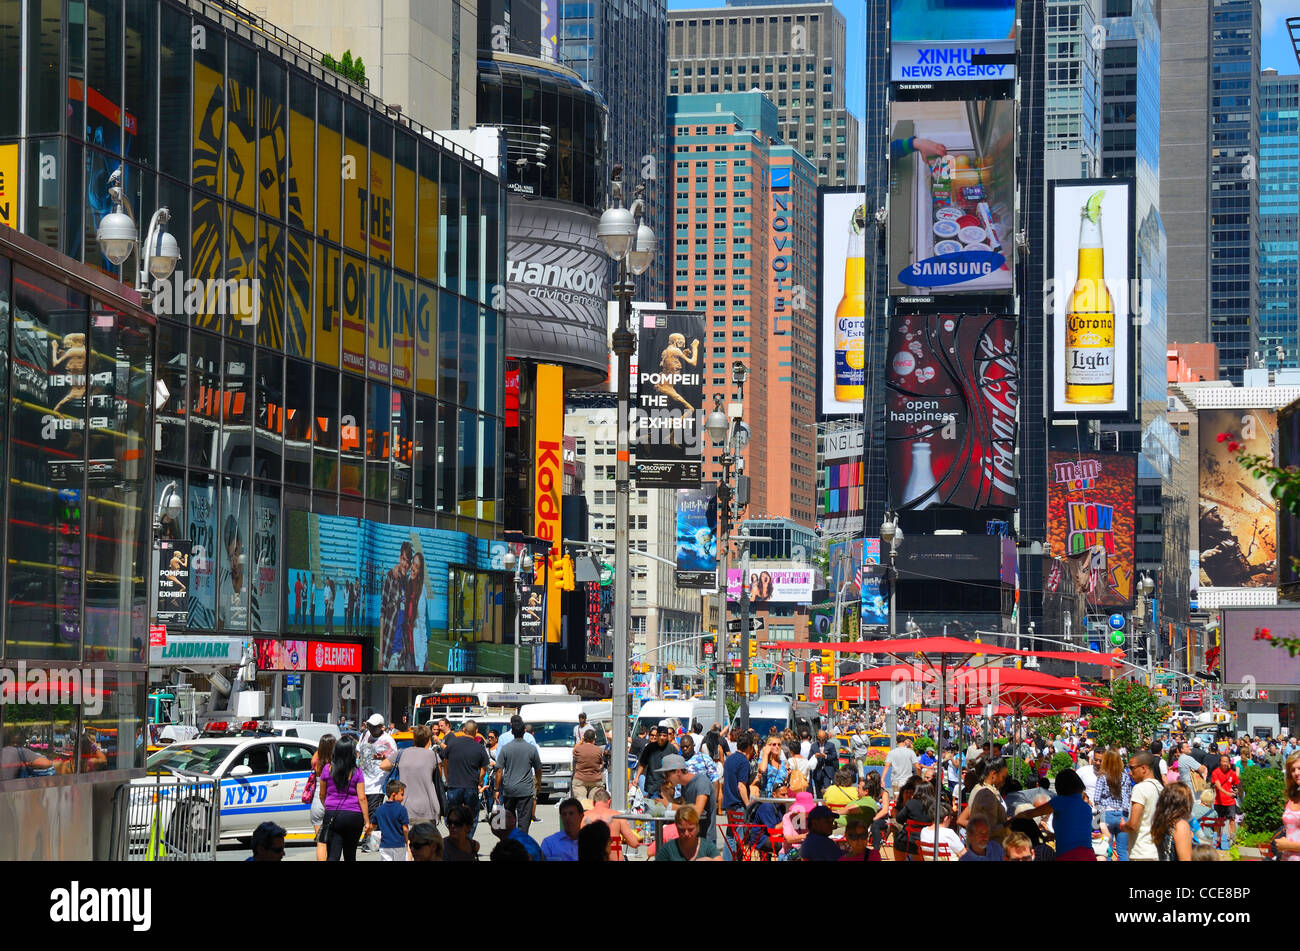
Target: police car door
{"x":293,"y":764}
{"x":251,"y":797}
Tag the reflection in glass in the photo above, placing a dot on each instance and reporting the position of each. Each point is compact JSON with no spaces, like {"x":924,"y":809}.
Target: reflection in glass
{"x":378,"y":441}
{"x":236,"y":411}
{"x":297,"y":422}
{"x":37,"y":740}
{"x":233,"y":561}
{"x":269,"y":417}
{"x":201,"y":522}
{"x":325,"y":431}
{"x":352,"y":416}
{"x":264,"y":584}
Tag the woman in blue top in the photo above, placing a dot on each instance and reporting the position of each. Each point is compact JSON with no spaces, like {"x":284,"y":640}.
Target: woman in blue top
{"x":1113,"y":796}
{"x":772,"y":770}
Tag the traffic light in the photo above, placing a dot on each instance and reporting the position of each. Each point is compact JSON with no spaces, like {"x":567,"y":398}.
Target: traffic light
{"x":539,"y":568}
{"x":562,"y":572}
{"x":753,"y":644}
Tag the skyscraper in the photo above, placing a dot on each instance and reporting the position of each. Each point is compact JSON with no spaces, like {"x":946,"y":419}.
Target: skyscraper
{"x":745,"y":253}
{"x":795,"y":52}
{"x":1279,"y":155}
{"x":1073,"y":85}
{"x":1210,"y":90}
{"x":618,"y":47}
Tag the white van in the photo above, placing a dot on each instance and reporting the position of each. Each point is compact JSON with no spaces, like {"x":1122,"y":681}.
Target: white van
{"x":682,"y":711}
{"x":774,"y":710}
{"x":552,"y":725}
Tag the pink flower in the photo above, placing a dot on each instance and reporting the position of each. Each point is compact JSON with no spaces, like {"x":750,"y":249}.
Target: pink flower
{"x":1262,"y":634}
{"x":1223,"y":437}
{"x":1233,"y":446}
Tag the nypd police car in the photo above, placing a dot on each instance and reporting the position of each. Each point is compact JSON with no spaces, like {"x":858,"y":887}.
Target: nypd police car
{"x":255,"y":778}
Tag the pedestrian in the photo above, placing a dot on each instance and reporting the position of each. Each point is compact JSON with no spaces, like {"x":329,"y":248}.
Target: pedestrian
{"x":588,"y":766}
{"x":1112,"y":794}
{"x":986,"y":799}
{"x":1226,"y":782}
{"x":319,"y":759}
{"x":948,"y":837}
{"x":505,"y":827}
{"x":827,"y":760}
{"x":458,"y":846}
{"x":347,"y":807}
{"x":580,"y":729}
{"x":602,"y":812}
{"x":689,"y":846}
{"x":464,"y":763}
{"x":268,"y":843}
{"x":817,"y":845}
{"x":900,"y":765}
{"x":1146,"y":792}
{"x":1071,"y":819}
{"x":518,"y":775}
{"x":772,"y":771}
{"x":594,"y":842}
{"x":393,"y":823}
{"x":1171,"y":828}
{"x":562,"y":846}
{"x":798,"y":769}
{"x":419,"y":764}
{"x":426,"y":843}
{"x":652,"y":755}
{"x":857,"y":835}
{"x":697,"y":792}
{"x":1017,"y":847}
{"x":373,"y":747}
{"x":638,"y":742}
{"x":980,"y":845}
{"x":1288,"y":843}
{"x":735,"y":792}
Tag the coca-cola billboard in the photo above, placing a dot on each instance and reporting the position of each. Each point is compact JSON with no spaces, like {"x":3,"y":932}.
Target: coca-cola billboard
{"x":950,"y":418}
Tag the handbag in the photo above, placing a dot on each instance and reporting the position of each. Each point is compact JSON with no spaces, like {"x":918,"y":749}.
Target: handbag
{"x":309,"y":790}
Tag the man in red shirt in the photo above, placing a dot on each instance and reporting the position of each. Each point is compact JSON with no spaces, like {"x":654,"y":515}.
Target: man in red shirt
{"x":1225,"y":781}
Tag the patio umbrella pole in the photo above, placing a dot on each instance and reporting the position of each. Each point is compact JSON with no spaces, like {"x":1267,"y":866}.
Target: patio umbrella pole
{"x":938,"y":767}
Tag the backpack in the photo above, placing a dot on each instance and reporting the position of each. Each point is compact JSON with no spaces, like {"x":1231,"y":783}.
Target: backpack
{"x":798,"y":781}
{"x":1198,"y":783}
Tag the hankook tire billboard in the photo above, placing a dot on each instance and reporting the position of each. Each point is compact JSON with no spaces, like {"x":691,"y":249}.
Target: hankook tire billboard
{"x":556,"y":273}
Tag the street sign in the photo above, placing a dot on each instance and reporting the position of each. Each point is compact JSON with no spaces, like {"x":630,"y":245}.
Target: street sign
{"x":608,"y":675}
{"x":735,"y":663}
{"x":1116,"y":622}
{"x":761,"y":665}
{"x":817,"y":684}
{"x":708,"y":648}
{"x":755,"y":624}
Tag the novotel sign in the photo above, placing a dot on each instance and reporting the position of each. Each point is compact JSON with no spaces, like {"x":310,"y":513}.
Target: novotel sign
{"x":782,"y":260}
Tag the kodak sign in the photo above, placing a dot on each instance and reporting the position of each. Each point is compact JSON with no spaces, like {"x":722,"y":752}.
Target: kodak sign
{"x":548,"y":473}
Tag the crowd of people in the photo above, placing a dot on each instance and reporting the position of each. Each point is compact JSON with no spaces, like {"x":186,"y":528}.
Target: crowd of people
{"x":720,"y":795}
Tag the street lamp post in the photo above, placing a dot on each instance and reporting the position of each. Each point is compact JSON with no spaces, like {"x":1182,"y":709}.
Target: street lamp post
{"x":1147,"y":587}
{"x":118,"y":235}
{"x":511,"y":563}
{"x":726,"y":429}
{"x":632,"y":245}
{"x":892,"y":535}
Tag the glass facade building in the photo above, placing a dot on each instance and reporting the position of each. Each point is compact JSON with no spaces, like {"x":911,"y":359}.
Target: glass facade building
{"x":1279,"y":219}
{"x":330,"y":345}
{"x":1234,"y":187}
{"x":618,"y":48}
{"x":1072,"y":113}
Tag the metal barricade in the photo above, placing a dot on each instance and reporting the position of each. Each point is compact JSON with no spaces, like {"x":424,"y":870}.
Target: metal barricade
{"x":171,"y":818}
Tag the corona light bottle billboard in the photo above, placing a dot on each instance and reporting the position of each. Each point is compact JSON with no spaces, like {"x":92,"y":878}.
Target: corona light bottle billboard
{"x":851,"y":316}
{"x":1090,"y":323}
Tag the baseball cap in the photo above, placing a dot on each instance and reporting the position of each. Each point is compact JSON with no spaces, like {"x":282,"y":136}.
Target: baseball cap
{"x":376,"y":719}
{"x":821,"y":812}
{"x":671,"y":762}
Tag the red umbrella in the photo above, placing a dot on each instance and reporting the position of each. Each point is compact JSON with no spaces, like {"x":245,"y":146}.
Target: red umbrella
{"x":874,"y":647}
{"x":889,"y":672}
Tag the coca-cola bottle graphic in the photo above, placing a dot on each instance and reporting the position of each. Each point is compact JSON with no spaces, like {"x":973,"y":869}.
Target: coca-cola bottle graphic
{"x":918,"y":493}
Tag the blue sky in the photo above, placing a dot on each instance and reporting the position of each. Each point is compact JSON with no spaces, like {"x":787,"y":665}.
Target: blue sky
{"x":1275,"y":44}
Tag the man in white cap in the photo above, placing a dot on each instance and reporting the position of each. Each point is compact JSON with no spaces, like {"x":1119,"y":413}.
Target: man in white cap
{"x":373,"y":747}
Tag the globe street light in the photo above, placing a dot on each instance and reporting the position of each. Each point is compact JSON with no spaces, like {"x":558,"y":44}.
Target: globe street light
{"x":510,"y":561}
{"x":632,"y":245}
{"x":117,"y":233}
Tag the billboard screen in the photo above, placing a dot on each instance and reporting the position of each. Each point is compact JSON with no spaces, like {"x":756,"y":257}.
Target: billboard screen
{"x":548,"y":450}
{"x":697,"y":546}
{"x":420,"y":598}
{"x":938,"y":40}
{"x":857,"y":562}
{"x":556,"y":298}
{"x":1090,"y":500}
{"x":950,"y":416}
{"x":1288,"y":526}
{"x":1247,"y":660}
{"x":842,"y":495}
{"x":952,"y":172}
{"x":1238,"y":520}
{"x":1092,"y":355}
{"x":669,"y":399}
{"x":771,"y":581}
{"x":842,"y":269}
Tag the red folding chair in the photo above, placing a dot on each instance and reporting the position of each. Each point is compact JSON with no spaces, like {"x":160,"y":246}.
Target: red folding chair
{"x":913,"y":832}
{"x":927,"y":852}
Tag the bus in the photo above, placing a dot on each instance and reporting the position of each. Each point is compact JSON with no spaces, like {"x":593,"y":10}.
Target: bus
{"x":466,"y":701}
